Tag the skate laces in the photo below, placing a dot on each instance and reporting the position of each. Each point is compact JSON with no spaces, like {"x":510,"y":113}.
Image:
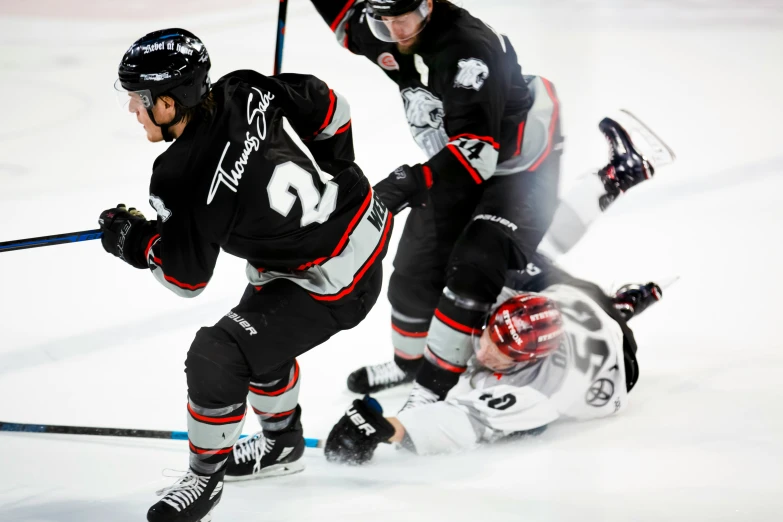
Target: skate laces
{"x":184,"y":491}
{"x":245,"y":449}
{"x":384,"y":373}
{"x":419,"y":396}
{"x":253,"y":448}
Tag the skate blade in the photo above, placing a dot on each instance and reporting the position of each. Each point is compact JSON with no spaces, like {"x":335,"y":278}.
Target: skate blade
{"x":276,"y":470}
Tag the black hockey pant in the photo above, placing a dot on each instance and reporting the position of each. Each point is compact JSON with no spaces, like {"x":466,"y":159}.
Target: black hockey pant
{"x":251,"y":354}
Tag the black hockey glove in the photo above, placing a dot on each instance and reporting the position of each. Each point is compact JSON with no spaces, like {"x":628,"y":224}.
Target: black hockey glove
{"x":405,"y":187}
{"x":356,"y":435}
{"x":124,"y":232}
{"x":631,"y":300}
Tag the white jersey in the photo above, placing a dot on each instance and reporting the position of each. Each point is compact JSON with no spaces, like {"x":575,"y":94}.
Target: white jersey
{"x":584,"y":379}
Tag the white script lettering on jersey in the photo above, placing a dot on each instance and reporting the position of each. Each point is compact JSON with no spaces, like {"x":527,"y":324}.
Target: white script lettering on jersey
{"x":163,"y":213}
{"x":252,"y":143}
{"x":472,"y":74}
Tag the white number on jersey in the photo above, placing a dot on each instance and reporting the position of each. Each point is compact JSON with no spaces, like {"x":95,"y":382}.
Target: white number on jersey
{"x":316,"y":207}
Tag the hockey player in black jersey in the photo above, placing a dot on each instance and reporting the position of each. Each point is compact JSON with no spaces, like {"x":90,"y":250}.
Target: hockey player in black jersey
{"x":485,"y":198}
{"x":262,"y":168}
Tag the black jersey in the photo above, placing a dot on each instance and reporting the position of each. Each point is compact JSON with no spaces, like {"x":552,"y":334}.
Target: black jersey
{"x":268,"y":177}
{"x":465,"y":97}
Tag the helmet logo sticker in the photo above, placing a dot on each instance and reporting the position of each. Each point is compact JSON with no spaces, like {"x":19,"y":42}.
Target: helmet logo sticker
{"x":472,"y":74}
{"x":156,"y":77}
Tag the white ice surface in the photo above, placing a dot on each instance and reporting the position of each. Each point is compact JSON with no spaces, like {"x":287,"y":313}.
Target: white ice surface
{"x":86,"y":340}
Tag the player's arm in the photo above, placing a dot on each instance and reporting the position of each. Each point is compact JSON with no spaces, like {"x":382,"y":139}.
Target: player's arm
{"x":344,"y":19}
{"x":178,"y":256}
{"x":441,"y":427}
{"x":181,"y":258}
{"x":320,"y":116}
{"x":474,"y":99}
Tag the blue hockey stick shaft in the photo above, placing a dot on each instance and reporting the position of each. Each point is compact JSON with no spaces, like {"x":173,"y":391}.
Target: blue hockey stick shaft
{"x":281,"y":17}
{"x":112,"y":432}
{"x":58,"y":239}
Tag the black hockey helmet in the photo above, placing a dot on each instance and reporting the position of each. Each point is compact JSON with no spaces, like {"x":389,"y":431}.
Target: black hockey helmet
{"x":171,"y":62}
{"x":382,"y":14}
{"x":393,"y":7}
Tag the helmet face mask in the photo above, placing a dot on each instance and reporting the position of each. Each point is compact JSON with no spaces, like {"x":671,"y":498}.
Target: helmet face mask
{"x":397,"y":21}
{"x":133,"y":100}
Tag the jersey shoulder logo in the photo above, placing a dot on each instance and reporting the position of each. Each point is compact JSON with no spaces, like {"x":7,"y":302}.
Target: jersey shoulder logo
{"x":422,"y":108}
{"x":388,"y":62}
{"x":163,"y":213}
{"x":472,"y":74}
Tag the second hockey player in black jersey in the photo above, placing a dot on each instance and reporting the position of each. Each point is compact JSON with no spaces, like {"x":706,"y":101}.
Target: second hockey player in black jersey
{"x":261,"y":168}
{"x":484,"y":199}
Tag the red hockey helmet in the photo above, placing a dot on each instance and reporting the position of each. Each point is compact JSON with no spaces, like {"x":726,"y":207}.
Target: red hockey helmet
{"x":527,"y":327}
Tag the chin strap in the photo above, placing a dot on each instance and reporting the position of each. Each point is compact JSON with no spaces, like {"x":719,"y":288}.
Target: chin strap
{"x":164,"y":127}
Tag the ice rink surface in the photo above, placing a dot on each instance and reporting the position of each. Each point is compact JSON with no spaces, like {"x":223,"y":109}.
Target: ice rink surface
{"x":86,"y":340}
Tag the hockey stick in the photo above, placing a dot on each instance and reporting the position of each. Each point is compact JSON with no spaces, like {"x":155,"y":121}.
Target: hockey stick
{"x":281,"y":16}
{"x":58,"y":239}
{"x":113,"y":432}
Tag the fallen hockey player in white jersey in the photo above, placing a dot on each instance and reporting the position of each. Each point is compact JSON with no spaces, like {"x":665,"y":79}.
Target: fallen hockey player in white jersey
{"x":556,"y":349}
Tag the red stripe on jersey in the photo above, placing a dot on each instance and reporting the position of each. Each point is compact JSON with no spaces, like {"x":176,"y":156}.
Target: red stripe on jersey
{"x":215,"y":420}
{"x":352,"y":224}
{"x":183,"y":285}
{"x":454,"y":324}
{"x":343,"y":128}
{"x":442,"y":363}
{"x":519,"y":138}
{"x":364,"y":268}
{"x":341,"y":15}
{"x":328,"y":120}
{"x":202,"y":451}
{"x":291,"y":384}
{"x":312,"y":263}
{"x":346,"y":235}
{"x":345,"y":40}
{"x":475,"y":175}
{"x":149,"y":246}
{"x":408,"y":334}
{"x":487,"y":139}
{"x":555,"y":112}
{"x":427,"y":176}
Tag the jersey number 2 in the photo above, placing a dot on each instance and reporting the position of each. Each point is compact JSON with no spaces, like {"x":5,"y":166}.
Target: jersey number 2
{"x":316,"y":207}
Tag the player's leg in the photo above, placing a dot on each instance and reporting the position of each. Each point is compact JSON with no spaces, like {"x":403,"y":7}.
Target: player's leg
{"x":272,"y":326}
{"x":592,"y":193}
{"x":277,"y":448}
{"x":507,"y":226}
{"x":416,"y":284}
{"x":217,"y":376}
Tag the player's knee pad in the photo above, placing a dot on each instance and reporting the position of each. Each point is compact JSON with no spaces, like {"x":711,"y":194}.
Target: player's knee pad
{"x":217,"y":373}
{"x":414,"y":296}
{"x":480,"y":260}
